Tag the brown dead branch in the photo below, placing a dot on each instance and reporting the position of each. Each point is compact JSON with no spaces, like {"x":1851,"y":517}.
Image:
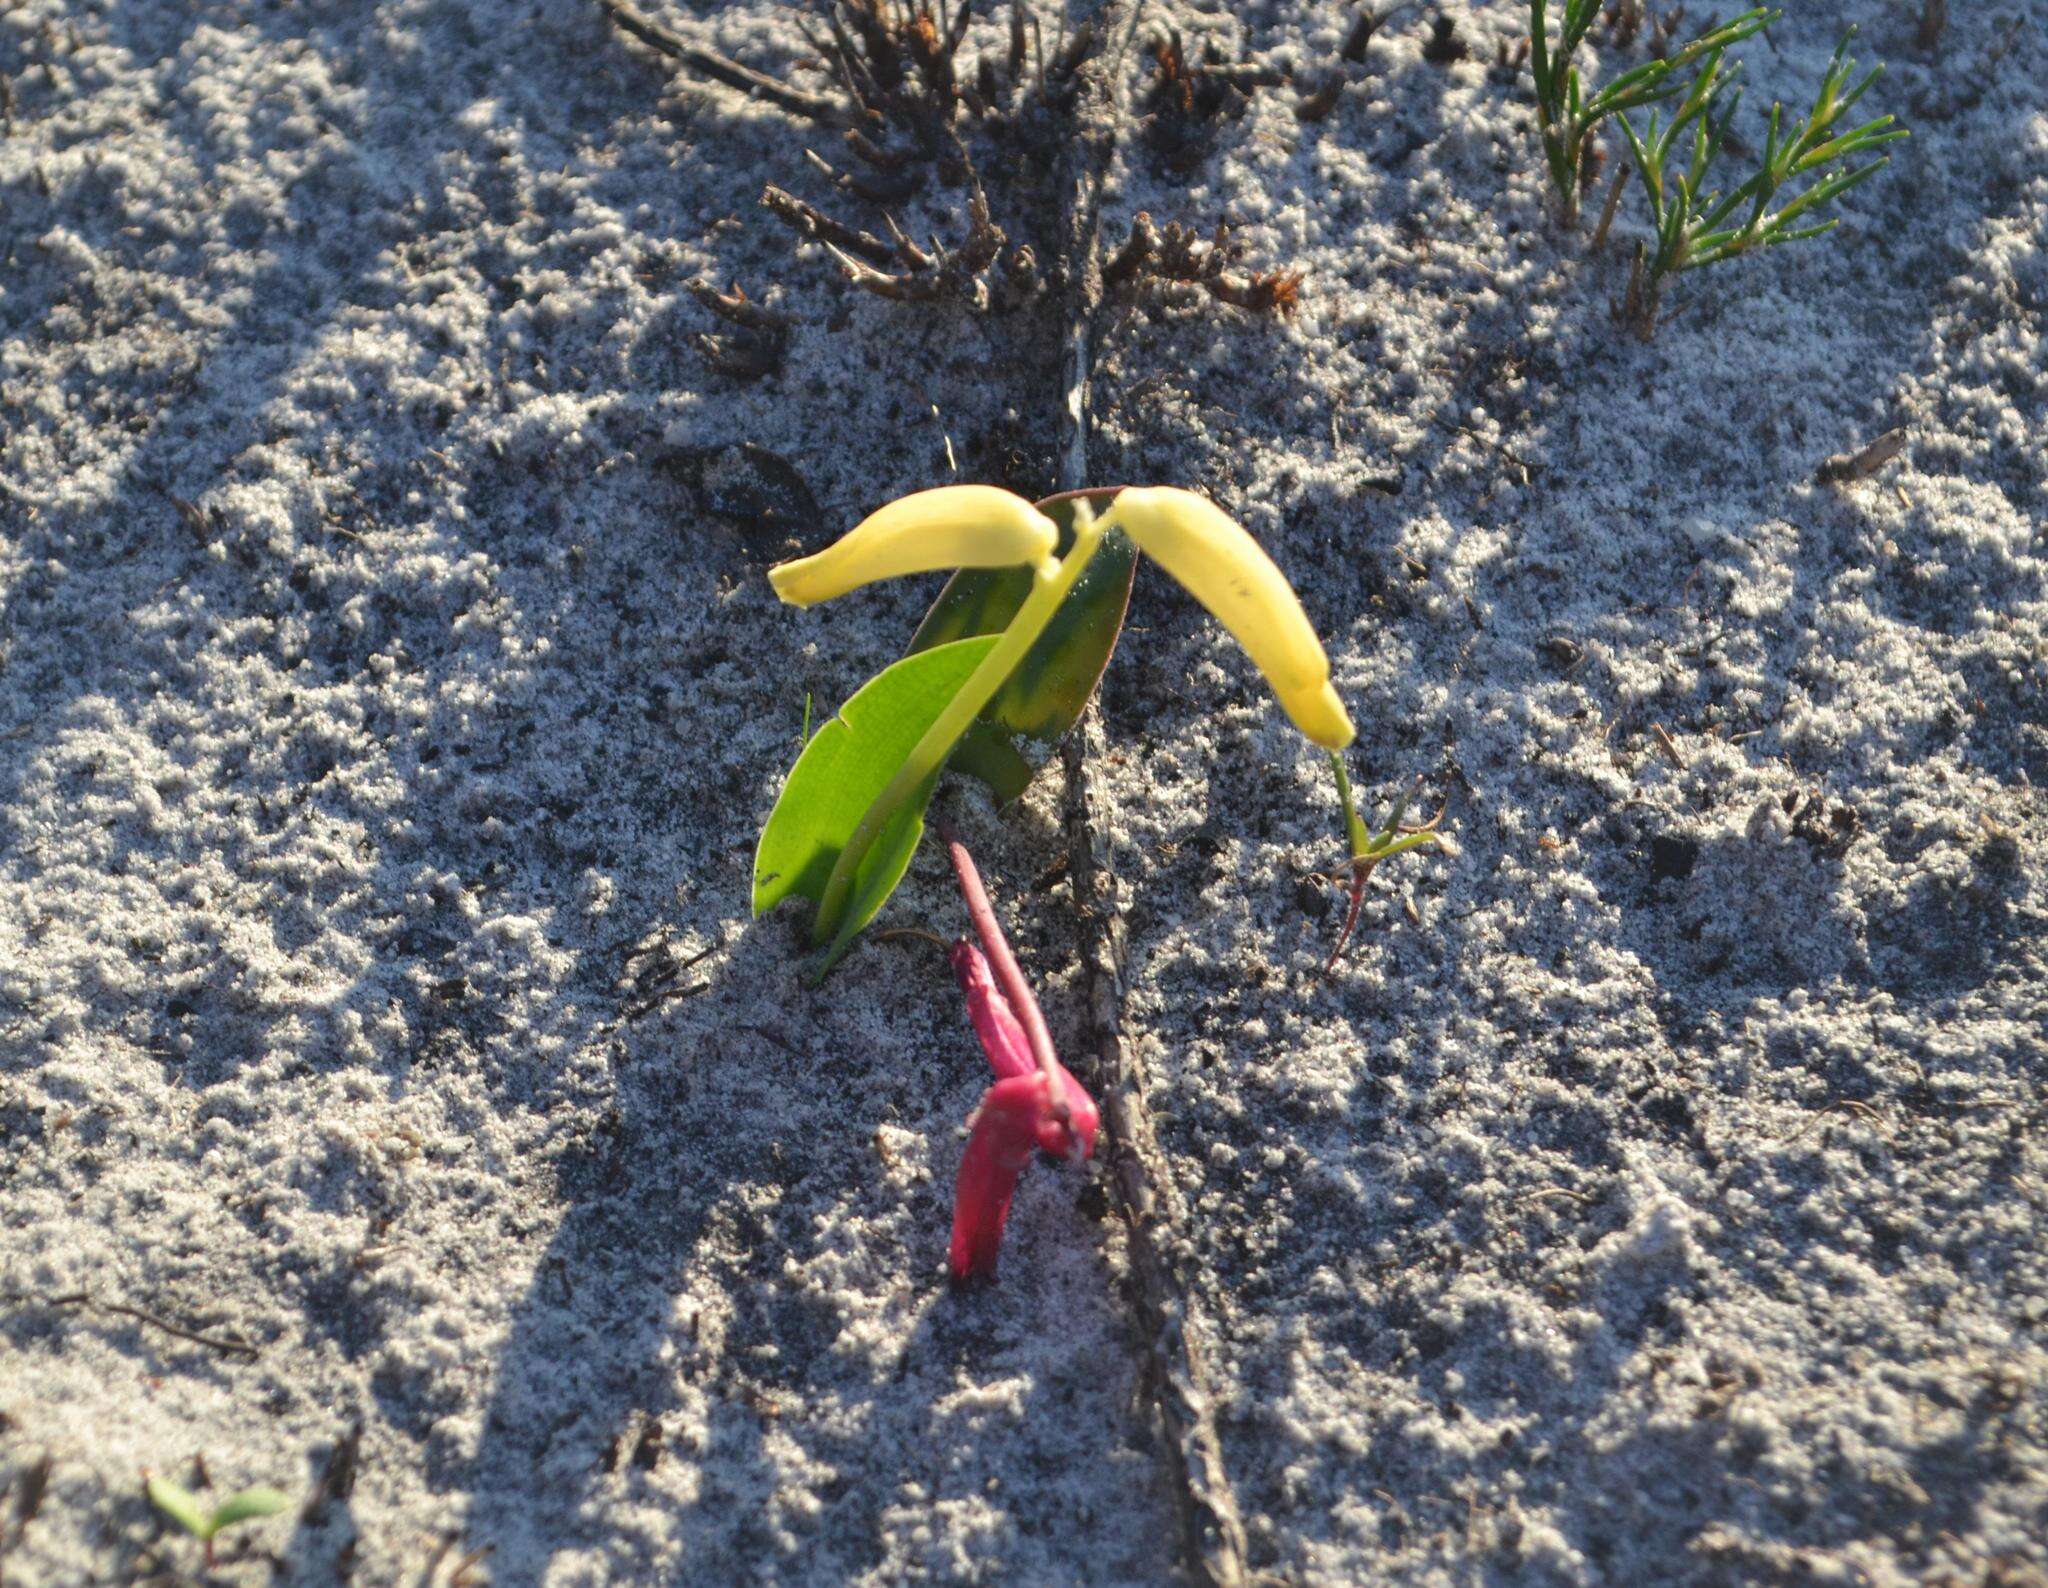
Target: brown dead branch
{"x":959,"y":273}
{"x":1189,"y":101}
{"x":1636,"y":308}
{"x":85,"y":1301}
{"x":1624,"y":20}
{"x":1445,"y":45}
{"x":1933,"y":23}
{"x":752,"y":350}
{"x":719,"y":69}
{"x":810,"y":221}
{"x":738,"y":308}
{"x":1269,"y":292}
{"x":1175,"y":1331}
{"x":1608,"y":209}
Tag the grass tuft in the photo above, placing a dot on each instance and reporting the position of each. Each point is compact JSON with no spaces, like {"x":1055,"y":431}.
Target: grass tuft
{"x":1694,"y":225}
{"x":1567,"y":116}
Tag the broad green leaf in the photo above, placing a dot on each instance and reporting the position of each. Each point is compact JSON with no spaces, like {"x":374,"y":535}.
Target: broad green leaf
{"x":1046,"y":694}
{"x":846,"y":765}
{"x":180,"y":1504}
{"x":880,"y":871}
{"x":262,"y":1500}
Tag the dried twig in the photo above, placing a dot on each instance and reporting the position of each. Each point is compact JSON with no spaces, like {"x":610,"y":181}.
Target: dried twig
{"x":1175,"y":1332}
{"x":225,"y":1344}
{"x":737,"y":307}
{"x":32,"y":1485}
{"x":1607,"y":210}
{"x":337,"y":1479}
{"x":1351,"y":64}
{"x":960,"y":273}
{"x":756,"y":347}
{"x":1138,"y":247}
{"x":1933,"y":22}
{"x":812,"y":222}
{"x":720,"y":69}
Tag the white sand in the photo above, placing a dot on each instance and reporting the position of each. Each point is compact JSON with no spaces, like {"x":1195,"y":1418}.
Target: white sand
{"x":1656,"y":1193}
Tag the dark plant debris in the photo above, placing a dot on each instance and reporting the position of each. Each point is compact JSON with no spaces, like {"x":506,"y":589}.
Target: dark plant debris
{"x":1181,"y":255}
{"x":1187,"y":102}
{"x":905,"y":100}
{"x":755,"y":345}
{"x":1864,"y":461}
{"x":1351,"y":64}
{"x":1830,"y":832}
{"x":1444,"y":46}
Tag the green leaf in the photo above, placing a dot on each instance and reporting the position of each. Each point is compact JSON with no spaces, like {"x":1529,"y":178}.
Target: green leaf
{"x":180,"y":1504}
{"x":1047,"y":693}
{"x":847,"y":763}
{"x":261,"y":1500}
{"x":888,"y":857}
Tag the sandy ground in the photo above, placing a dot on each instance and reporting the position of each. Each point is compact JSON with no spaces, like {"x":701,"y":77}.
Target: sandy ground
{"x":389,"y":695}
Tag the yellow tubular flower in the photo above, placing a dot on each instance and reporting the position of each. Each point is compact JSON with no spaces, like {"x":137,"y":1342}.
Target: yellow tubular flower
{"x":1222,"y":567}
{"x":954,"y":526}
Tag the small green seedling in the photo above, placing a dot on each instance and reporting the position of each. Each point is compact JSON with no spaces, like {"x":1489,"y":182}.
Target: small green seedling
{"x":1567,"y":118}
{"x":1369,"y":848}
{"x":1695,"y":226}
{"x":184,"y":1507}
{"x":1002,"y":666}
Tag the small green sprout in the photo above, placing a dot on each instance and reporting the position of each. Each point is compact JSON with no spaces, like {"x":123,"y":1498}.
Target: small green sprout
{"x":182,"y":1506}
{"x":1696,"y":226}
{"x":1567,"y":118}
{"x":1369,"y":848}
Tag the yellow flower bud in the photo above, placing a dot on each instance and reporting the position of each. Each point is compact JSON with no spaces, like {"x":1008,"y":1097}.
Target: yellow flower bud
{"x":1222,"y":567}
{"x":954,"y":526}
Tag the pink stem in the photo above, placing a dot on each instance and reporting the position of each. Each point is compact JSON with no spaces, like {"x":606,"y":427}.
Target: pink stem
{"x":1004,"y":1138}
{"x":1068,"y":1131}
{"x":1008,"y":977}
{"x":988,"y":1011}
{"x":1360,"y":871}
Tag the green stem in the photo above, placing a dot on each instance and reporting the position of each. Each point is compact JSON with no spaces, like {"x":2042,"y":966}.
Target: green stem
{"x":1049,"y":588}
{"x":1354,"y":824}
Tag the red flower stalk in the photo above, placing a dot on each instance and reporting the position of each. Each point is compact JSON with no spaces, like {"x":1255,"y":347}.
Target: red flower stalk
{"x":1035,"y":1104}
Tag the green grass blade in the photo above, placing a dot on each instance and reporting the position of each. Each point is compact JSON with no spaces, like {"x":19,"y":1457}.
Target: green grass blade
{"x":1834,"y":187}
{"x":1867,"y":136}
{"x":1539,"y":59}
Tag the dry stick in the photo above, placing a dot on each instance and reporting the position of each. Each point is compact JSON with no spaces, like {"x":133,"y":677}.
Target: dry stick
{"x":720,"y":69}
{"x":1152,"y":1207}
{"x":1153,"y":1210}
{"x":1607,"y":210}
{"x":808,"y":220}
{"x":80,"y":1298}
{"x":1175,"y":1332}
